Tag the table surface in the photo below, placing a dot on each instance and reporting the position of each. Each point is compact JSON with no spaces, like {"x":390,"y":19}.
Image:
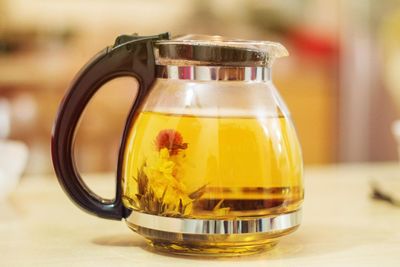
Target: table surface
{"x":342,"y":226}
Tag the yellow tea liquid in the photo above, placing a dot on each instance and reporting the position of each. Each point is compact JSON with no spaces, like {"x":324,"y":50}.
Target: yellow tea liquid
{"x":212,"y":167}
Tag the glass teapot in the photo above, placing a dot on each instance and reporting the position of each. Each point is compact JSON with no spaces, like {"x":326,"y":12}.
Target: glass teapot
{"x":209,"y":162}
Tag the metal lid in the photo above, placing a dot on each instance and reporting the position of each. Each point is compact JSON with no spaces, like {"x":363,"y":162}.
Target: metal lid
{"x":215,"y":50}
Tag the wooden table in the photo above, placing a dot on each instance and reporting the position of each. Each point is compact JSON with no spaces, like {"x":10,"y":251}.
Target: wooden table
{"x":341,"y":226}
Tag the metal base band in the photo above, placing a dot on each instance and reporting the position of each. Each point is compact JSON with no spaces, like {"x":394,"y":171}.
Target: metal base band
{"x":215,"y":227}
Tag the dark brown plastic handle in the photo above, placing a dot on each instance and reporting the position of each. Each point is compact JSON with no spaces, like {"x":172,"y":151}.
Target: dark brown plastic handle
{"x":131,"y":55}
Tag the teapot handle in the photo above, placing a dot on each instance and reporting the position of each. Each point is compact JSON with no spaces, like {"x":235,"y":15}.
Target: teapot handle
{"x":131,"y":55}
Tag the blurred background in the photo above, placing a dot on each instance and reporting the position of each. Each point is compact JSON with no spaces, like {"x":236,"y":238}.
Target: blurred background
{"x":341,"y":81}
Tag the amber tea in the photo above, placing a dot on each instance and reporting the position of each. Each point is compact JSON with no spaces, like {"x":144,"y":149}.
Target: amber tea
{"x":212,"y":167}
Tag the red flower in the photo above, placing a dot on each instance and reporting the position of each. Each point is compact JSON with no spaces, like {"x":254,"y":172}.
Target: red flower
{"x":170,"y":139}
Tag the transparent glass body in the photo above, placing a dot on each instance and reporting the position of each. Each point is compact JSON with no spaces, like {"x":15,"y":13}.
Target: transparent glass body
{"x":212,"y":150}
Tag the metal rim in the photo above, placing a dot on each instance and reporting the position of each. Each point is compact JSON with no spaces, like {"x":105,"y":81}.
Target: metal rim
{"x":266,"y":224}
{"x":213,"y":73}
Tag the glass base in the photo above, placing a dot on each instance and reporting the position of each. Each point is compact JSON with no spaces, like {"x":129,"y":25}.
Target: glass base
{"x":226,"y":245}
{"x":215,"y":238}
{"x":210,"y":250}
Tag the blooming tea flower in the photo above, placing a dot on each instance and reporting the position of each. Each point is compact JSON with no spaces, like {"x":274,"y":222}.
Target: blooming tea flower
{"x":170,"y":139}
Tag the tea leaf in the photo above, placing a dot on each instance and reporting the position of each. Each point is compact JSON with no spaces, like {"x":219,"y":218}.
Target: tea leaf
{"x":218,"y":205}
{"x":198,"y":193}
{"x":180,"y":206}
{"x":163,"y":194}
{"x":130,"y":201}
